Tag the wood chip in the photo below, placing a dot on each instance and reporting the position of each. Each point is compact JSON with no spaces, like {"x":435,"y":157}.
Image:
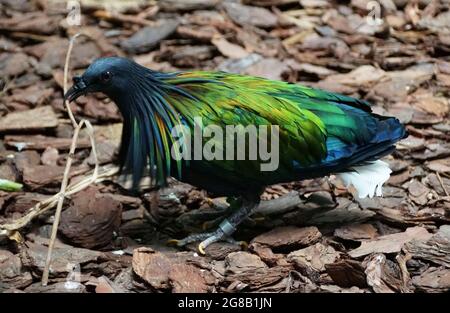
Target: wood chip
{"x":356,"y":232}
{"x":433,"y":280}
{"x":347,"y":273}
{"x":40,"y":118}
{"x":383,"y":275}
{"x":316,"y":256}
{"x":40,"y":142}
{"x":152,"y":266}
{"x":91,"y":220}
{"x":186,"y":278}
{"x":435,"y":249}
{"x":390,"y":243}
{"x":288,"y":237}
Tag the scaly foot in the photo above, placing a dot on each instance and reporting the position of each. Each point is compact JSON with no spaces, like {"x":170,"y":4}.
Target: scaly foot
{"x":220,"y":234}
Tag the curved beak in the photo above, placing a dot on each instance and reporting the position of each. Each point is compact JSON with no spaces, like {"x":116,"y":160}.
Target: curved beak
{"x":79,"y":88}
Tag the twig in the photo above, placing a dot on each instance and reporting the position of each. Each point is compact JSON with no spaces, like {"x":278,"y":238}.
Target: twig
{"x":66,"y":75}
{"x":64,"y":183}
{"x":11,"y":228}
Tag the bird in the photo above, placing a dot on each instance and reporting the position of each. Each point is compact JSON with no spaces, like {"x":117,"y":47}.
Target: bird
{"x":319,"y":133}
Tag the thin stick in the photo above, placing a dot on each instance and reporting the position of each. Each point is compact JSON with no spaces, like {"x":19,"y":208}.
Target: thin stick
{"x":66,"y":75}
{"x":64,"y":183}
{"x":10,"y":229}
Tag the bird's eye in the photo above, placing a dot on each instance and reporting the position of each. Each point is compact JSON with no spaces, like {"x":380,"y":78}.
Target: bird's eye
{"x":106,"y":76}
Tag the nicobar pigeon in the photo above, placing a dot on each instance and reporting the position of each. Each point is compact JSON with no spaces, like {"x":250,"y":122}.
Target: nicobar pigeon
{"x":319,"y":132}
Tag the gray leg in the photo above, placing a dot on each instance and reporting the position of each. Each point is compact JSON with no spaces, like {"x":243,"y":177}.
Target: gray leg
{"x":226,"y":228}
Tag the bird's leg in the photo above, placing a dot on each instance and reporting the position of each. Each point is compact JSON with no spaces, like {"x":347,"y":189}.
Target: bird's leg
{"x":226,"y":228}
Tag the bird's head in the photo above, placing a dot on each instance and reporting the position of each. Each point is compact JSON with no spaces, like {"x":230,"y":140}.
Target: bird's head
{"x":110,"y":76}
{"x":147,"y":116}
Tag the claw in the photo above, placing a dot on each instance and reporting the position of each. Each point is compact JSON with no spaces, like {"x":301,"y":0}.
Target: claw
{"x":243,"y":244}
{"x":173,"y":242}
{"x":201,"y":249}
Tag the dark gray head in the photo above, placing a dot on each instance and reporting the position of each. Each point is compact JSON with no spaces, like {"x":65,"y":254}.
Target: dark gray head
{"x":139,"y":94}
{"x":110,"y":76}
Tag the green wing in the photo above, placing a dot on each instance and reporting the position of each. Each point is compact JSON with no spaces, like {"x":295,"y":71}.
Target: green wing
{"x":226,"y":99}
{"x":319,"y":131}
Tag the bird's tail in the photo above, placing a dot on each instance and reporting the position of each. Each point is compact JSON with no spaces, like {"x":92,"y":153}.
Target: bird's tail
{"x":367,"y":179}
{"x":368,"y":173}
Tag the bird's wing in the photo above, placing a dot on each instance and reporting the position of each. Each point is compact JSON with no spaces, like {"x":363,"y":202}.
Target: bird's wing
{"x":319,"y":130}
{"x":225,"y":99}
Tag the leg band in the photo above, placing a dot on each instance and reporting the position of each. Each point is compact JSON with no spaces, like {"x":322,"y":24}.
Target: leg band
{"x":227,"y":227}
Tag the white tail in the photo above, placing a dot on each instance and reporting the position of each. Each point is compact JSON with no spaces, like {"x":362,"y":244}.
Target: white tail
{"x":367,"y":179}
